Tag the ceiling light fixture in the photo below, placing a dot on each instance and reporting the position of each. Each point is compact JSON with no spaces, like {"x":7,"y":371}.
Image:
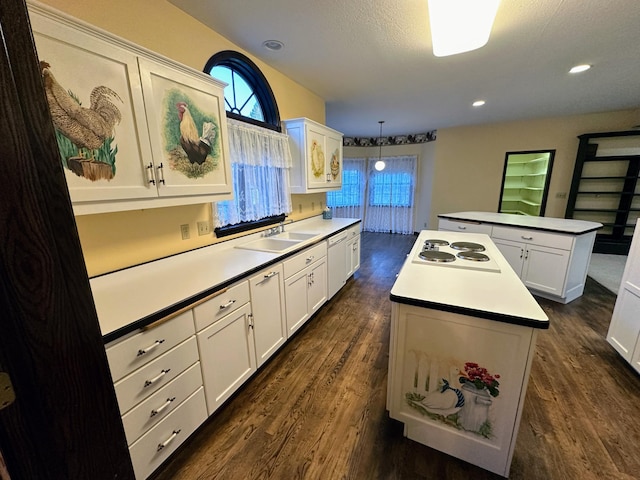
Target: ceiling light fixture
{"x":273,"y":45}
{"x":580,"y":68}
{"x":379,"y":165}
{"x":478,"y":103}
{"x":459,"y":26}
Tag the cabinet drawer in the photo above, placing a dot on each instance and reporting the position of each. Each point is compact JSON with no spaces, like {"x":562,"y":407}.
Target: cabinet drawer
{"x":149,"y":412}
{"x":162,"y":440}
{"x":155,"y":374}
{"x":467,"y":227}
{"x":353,"y":231}
{"x":534,"y":237}
{"x":307,"y":257}
{"x":135,"y":351}
{"x":221,"y":305}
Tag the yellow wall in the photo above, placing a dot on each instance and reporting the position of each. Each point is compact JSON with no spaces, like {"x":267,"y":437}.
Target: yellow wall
{"x":469,"y":160}
{"x":117,"y":240}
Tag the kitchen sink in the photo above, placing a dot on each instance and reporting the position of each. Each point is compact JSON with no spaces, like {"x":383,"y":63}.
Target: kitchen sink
{"x":298,"y":236}
{"x":270,"y":244}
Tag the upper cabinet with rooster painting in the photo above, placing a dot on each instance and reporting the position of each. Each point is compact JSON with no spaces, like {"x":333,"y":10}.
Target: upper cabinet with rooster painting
{"x":316,"y":151}
{"x":135,"y":130}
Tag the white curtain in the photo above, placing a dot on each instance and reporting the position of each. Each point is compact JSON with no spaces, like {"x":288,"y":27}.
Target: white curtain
{"x":390,"y":195}
{"x":348,"y":202}
{"x":260,"y":163}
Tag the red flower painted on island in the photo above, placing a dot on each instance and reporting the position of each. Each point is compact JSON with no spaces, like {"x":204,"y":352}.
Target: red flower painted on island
{"x":480,"y":378}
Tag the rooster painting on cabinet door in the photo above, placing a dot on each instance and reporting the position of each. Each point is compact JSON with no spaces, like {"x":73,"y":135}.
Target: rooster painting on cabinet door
{"x":85,"y":134}
{"x":191,"y":135}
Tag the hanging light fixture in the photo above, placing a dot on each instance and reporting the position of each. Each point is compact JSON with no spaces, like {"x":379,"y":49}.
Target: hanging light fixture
{"x":459,"y":26}
{"x":379,"y":165}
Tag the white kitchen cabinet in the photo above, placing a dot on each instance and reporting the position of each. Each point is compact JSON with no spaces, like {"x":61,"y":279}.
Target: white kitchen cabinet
{"x":353,"y":250}
{"x":337,"y":265}
{"x":316,"y":152}
{"x":268,"y":306}
{"x":624,"y":329}
{"x":227,"y":349}
{"x":158,"y":383}
{"x":540,"y":259}
{"x":463,"y":227}
{"x":129,"y":95}
{"x":305,"y":285}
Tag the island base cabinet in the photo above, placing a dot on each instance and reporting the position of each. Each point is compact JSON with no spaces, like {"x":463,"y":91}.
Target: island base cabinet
{"x":157,"y":444}
{"x":435,"y":357}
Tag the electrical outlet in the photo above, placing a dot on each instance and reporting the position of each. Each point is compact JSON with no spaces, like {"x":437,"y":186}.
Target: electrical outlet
{"x":204,"y":228}
{"x":184,"y":231}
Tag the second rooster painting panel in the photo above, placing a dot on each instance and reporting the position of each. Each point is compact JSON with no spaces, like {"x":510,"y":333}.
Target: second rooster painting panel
{"x":186,"y":120}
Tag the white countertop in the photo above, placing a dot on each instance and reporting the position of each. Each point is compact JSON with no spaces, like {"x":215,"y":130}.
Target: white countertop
{"x":126,"y":296}
{"x":561,"y":225}
{"x":488,"y":294}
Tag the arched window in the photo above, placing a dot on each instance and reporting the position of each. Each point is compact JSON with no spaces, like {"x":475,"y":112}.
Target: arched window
{"x":260,"y":156}
{"x":248,"y":96}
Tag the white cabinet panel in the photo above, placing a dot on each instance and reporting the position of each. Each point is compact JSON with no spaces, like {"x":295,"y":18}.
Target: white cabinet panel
{"x":227,"y":356}
{"x":545,"y":269}
{"x":162,"y":440}
{"x":296,"y":301}
{"x":463,"y":227}
{"x":267,"y":304}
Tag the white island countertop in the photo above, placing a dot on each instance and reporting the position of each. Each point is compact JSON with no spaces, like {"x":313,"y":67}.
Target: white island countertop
{"x":560,"y":225}
{"x":493,"y":295}
{"x":134,"y":297}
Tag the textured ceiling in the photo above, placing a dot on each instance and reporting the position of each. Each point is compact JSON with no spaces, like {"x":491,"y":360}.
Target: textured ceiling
{"x":372,"y":60}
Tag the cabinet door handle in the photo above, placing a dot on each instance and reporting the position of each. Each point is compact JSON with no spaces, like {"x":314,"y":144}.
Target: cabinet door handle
{"x":526,"y":238}
{"x":270,"y":274}
{"x":310,"y":259}
{"x":161,"y":173}
{"x":158,"y":410}
{"x":156,"y":378}
{"x":251,"y":324}
{"x":460,"y":227}
{"x":227,"y":305}
{"x":142,"y":351}
{"x":152,"y":180}
{"x":526,"y":255}
{"x":168,"y":440}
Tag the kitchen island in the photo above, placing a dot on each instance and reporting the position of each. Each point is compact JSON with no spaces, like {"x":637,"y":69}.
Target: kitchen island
{"x":463,"y":336}
{"x":550,"y":255}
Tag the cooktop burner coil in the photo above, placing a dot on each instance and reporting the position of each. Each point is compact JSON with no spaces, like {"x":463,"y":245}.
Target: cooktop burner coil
{"x":470,"y":246}
{"x":436,"y":256}
{"x":473,"y":256}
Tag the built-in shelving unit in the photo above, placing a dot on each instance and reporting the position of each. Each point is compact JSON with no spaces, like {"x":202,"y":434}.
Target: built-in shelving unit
{"x":525,"y":182}
{"x":606,"y":187}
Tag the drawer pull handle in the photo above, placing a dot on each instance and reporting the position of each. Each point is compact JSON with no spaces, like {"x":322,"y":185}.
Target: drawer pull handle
{"x":310,"y":258}
{"x":460,"y":227}
{"x":227,"y":305}
{"x":526,"y":238}
{"x":157,"y":377}
{"x":168,"y":440}
{"x":142,"y":351}
{"x":270,"y":274}
{"x":158,"y":410}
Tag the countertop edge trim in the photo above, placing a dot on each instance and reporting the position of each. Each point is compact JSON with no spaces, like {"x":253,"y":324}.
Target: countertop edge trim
{"x":526,"y":322}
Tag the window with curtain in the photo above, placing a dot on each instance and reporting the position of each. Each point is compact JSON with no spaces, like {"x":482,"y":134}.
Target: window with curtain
{"x":385,"y":198}
{"x":260,"y":163}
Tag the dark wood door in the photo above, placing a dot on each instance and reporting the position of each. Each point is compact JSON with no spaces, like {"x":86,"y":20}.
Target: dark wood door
{"x":64,"y":422}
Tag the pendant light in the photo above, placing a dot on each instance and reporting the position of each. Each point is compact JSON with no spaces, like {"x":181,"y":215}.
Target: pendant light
{"x":379,"y":165}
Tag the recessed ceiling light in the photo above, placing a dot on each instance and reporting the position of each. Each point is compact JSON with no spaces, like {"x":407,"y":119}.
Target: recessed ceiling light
{"x":273,"y":45}
{"x":580,"y":68}
{"x":478,"y":103}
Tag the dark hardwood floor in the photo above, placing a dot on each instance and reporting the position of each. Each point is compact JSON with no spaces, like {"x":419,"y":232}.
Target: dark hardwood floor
{"x":317,"y":410}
